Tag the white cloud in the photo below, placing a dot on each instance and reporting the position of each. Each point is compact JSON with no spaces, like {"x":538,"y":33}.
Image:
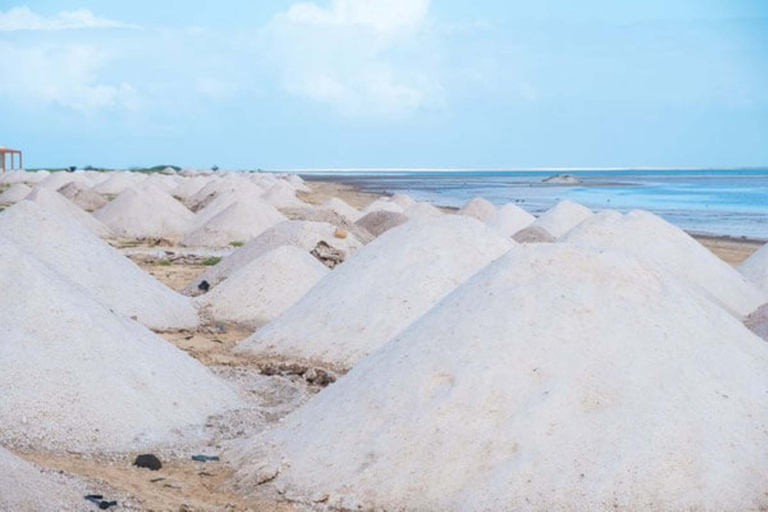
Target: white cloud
{"x":23,"y":18}
{"x":365,"y":58}
{"x":60,"y":75}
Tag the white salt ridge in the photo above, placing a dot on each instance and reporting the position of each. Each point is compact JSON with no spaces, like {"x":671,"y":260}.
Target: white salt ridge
{"x":24,"y":486}
{"x":562,"y":217}
{"x":478,"y":208}
{"x":380,"y":290}
{"x":652,"y":239}
{"x":755,"y":268}
{"x":107,"y":275}
{"x":65,"y":209}
{"x":78,"y":377}
{"x":260,"y":291}
{"x":339,"y":207}
{"x":147,"y":213}
{"x":509,"y":219}
{"x":239,"y":222}
{"x":303,"y":234}
{"x":15,"y":193}
{"x":557,"y":378}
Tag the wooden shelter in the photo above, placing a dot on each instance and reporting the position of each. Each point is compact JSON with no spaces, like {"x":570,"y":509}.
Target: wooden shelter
{"x":12,"y":152}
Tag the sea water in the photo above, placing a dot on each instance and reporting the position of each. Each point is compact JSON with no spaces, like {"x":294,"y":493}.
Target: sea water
{"x":717,"y":202}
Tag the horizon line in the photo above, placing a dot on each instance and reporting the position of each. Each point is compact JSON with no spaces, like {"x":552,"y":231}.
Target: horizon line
{"x":510,"y":169}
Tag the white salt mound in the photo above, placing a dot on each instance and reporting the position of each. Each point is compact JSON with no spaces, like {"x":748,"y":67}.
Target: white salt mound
{"x":261,"y":290}
{"x":214,"y":204}
{"x":78,"y":377}
{"x":380,"y":290}
{"x":282,"y":195}
{"x":381,"y":221}
{"x":562,"y":217}
{"x":478,"y":208}
{"x":117,"y":183}
{"x":82,"y":196}
{"x":422,"y":211}
{"x":239,"y":222}
{"x":755,"y":268}
{"x":65,"y":209}
{"x":339,"y":207}
{"x":655,"y":241}
{"x":558,"y":378}
{"x":302,"y":234}
{"x":189,"y":187}
{"x":56,"y":180}
{"x":146,"y":213}
{"x":757,"y":322}
{"x":25,"y":487}
{"x":107,"y":275}
{"x":15,"y":193}
{"x":403,"y":200}
{"x":509,"y":219}
{"x":533,"y":235}
{"x":382,"y":205}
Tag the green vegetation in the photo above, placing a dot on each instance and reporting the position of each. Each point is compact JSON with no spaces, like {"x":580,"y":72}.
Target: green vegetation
{"x":211,"y":261}
{"x":237,"y":243}
{"x":163,"y":263}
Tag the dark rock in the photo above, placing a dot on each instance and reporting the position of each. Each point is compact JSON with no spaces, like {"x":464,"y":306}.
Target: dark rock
{"x":148,"y":461}
{"x":205,"y":458}
{"x":328,"y":256}
{"x":98,"y":499}
{"x":204,"y":286}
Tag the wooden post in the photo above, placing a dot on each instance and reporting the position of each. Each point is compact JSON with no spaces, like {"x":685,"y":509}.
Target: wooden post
{"x":21,"y":160}
{"x":2,"y":154}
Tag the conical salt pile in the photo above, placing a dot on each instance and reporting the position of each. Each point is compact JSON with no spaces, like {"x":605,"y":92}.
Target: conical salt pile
{"x":338,"y":206}
{"x":755,"y":268}
{"x":403,"y":200}
{"x":78,"y":377}
{"x":117,"y":183}
{"x":559,"y":378}
{"x":562,"y":217}
{"x":260,"y":291}
{"x":82,"y":196}
{"x":423,"y":211}
{"x":652,"y":239}
{"x":147,"y":213}
{"x":282,"y":195}
{"x":15,"y":193}
{"x":24,"y":487}
{"x":381,"y":221}
{"x":13,"y":177}
{"x":757,"y":322}
{"x":382,"y":205}
{"x":376,"y":293}
{"x":305,"y":235}
{"x":189,"y":187}
{"x":479,"y":208}
{"x":239,"y":222}
{"x":533,"y":235}
{"x":297,"y":183}
{"x":65,"y":209}
{"x":107,"y":275}
{"x":56,"y":180}
{"x":510,"y":219}
{"x":220,"y":201}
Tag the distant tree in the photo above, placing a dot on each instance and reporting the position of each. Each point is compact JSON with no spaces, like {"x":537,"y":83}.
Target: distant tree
{"x":72,"y":168}
{"x":215,"y":168}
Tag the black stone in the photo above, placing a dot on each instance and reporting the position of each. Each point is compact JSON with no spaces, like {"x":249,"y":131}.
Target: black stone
{"x":148,"y":461}
{"x":204,"y":286}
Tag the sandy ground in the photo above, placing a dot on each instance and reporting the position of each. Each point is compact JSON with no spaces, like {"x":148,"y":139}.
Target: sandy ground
{"x":185,"y":485}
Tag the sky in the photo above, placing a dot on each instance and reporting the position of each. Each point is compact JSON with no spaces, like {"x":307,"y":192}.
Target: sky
{"x":283,"y":84}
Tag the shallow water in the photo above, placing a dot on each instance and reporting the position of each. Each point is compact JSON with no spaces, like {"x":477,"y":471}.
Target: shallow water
{"x":719,"y":202}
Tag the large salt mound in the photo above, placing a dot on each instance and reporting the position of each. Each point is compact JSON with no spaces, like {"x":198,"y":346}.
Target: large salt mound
{"x":562,"y":217}
{"x":302,"y":234}
{"x":216,"y":203}
{"x":510,"y":219}
{"x":117,"y":183}
{"x":373,"y":295}
{"x":478,"y":208}
{"x":260,"y":291}
{"x":755,"y":268}
{"x":78,"y":377}
{"x":65,"y":209}
{"x":240,"y":222}
{"x":82,"y":196}
{"x":146,"y":213}
{"x":381,"y":221}
{"x":56,"y":180}
{"x":646,"y":236}
{"x":23,"y":486}
{"x":15,"y":193}
{"x":339,"y":207}
{"x":107,"y":275}
{"x":559,"y":378}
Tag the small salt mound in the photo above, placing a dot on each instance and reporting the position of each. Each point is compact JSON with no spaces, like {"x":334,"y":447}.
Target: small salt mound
{"x":533,"y":235}
{"x":83,"y":196}
{"x":652,"y":239}
{"x":510,"y":218}
{"x":338,"y":206}
{"x":189,"y":187}
{"x":301,"y":234}
{"x":147,"y":213}
{"x":78,"y":377}
{"x":162,"y":182}
{"x":214,"y":204}
{"x":381,"y":221}
{"x":221,"y":193}
{"x":330,"y":217}
{"x":423,"y":211}
{"x":13,"y":177}
{"x":373,"y":295}
{"x":557,"y":378}
{"x":240,"y":222}
{"x":260,"y":291}
{"x":65,"y":209}
{"x":479,"y":208}
{"x":382,"y":205}
{"x":116,"y":184}
{"x":404,"y":201}
{"x":56,"y":180}
{"x":103,"y":271}
{"x":297,"y":183}
{"x":23,"y":486}
{"x":15,"y":193}
{"x":282,"y":195}
{"x":755,"y":268}
{"x":562,"y":217}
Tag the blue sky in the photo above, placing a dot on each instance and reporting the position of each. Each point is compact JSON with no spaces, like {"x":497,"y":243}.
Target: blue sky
{"x":385,"y":83}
